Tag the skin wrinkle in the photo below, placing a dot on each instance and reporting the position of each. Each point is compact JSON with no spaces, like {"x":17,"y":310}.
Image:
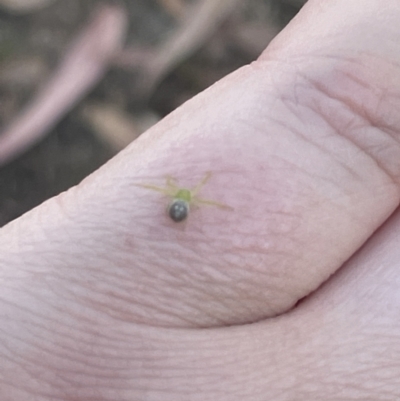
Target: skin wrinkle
{"x":34,"y":340}
{"x":48,"y":360}
{"x":200,"y":273}
{"x":352,"y":171}
{"x":371,"y":115}
{"x":83,"y":374}
{"x":202,"y":375}
{"x":194,"y":258}
{"x":319,"y":114}
{"x":120,"y":310}
{"x":344,"y":352}
{"x":327,"y":91}
{"x":151,"y":308}
{"x":306,"y":187}
{"x":44,"y":389}
{"x":80,"y":299}
{"x":190,"y":306}
{"x":358,"y":108}
{"x":18,"y":307}
{"x":239,"y":272}
{"x":69,"y":351}
{"x":365,"y":150}
{"x":70,"y":312}
{"x":38,"y":392}
{"x":383,"y":149}
{"x":202,"y":378}
{"x":269,"y":241}
{"x":157,"y":306}
{"x":219,"y":298}
{"x":108,"y":275}
{"x":68,"y":354}
{"x":324,"y":150}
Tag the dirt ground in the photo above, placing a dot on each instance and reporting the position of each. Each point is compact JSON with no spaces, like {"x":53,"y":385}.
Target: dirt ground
{"x":33,"y":42}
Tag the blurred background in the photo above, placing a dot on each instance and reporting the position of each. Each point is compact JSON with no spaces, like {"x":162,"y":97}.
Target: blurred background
{"x":80,"y":79}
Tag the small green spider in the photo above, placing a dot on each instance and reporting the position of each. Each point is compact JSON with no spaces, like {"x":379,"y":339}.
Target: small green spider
{"x":179,"y":207}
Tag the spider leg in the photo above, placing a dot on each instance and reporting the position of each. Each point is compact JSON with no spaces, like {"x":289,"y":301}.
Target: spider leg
{"x":200,"y":185}
{"x":172,"y":184}
{"x":212,"y":203}
{"x":165,"y":191}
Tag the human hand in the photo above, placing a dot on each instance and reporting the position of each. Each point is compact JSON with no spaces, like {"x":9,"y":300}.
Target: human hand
{"x":103,"y":297}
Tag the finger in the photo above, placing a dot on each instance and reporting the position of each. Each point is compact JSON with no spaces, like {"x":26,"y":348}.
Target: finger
{"x":84,"y":275}
{"x":304,"y":161}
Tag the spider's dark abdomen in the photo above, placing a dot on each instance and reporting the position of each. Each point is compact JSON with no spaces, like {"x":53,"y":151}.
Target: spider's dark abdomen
{"x":178,"y":210}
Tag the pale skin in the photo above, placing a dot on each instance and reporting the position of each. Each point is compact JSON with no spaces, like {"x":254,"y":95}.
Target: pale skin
{"x":102,"y":298}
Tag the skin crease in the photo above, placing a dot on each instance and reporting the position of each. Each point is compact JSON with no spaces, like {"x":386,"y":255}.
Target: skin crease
{"x":102,"y":297}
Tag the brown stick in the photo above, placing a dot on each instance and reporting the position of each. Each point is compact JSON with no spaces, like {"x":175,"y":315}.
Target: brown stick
{"x":202,"y":21}
{"x":83,"y":66}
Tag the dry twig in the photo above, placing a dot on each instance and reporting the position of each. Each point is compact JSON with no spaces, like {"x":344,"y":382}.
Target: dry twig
{"x":84,"y":65}
{"x":116,"y":127}
{"x":176,"y":8}
{"x":201,"y":22}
